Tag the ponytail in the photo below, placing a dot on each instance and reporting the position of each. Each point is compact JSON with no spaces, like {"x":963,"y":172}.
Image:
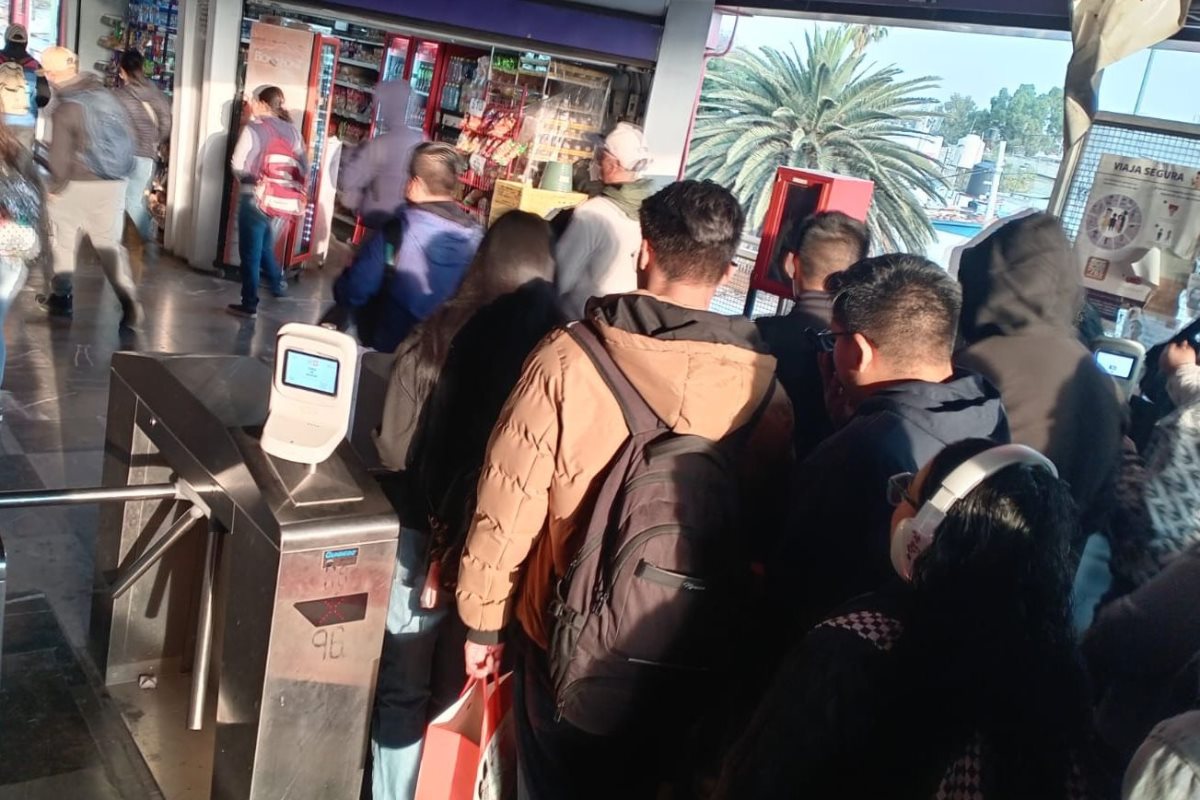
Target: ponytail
{"x":273,"y":97}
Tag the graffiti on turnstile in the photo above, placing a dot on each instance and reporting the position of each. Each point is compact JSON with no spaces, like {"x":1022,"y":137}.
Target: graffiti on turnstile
{"x":329,"y":641}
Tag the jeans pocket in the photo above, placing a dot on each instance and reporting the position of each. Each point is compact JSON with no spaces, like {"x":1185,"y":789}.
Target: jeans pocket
{"x":405,"y":615}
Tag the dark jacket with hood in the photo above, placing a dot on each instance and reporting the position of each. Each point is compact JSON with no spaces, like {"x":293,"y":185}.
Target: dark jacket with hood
{"x":1021,"y":299}
{"x":374,"y":174}
{"x":39,"y":87}
{"x":836,"y":543}
{"x":405,"y":272}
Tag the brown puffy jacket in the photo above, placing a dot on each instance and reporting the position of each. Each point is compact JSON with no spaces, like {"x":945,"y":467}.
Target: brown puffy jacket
{"x":702,"y":373}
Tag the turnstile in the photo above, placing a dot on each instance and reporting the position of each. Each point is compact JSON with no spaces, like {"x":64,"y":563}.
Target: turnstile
{"x":275,"y":574}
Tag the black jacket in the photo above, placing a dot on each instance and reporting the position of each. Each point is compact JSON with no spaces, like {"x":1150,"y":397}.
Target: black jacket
{"x":1021,"y":300}
{"x":456,"y":421}
{"x":835,"y":544}
{"x":798,"y":369}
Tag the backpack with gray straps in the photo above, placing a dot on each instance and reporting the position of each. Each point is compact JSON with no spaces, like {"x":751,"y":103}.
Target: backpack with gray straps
{"x":655,"y":592}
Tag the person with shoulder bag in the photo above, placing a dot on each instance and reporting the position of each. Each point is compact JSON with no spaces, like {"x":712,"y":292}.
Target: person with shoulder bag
{"x":270,"y":164}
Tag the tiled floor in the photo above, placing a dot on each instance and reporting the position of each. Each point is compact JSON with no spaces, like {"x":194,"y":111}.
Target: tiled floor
{"x":54,"y":400}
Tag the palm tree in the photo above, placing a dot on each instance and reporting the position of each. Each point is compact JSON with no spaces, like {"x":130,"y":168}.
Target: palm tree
{"x":825,"y":110}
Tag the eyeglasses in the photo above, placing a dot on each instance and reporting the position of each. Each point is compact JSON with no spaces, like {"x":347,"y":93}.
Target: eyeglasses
{"x":899,"y":488}
{"x":824,"y":340}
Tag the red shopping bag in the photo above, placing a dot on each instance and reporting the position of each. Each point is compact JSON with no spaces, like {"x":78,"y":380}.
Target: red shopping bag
{"x":470,"y":749}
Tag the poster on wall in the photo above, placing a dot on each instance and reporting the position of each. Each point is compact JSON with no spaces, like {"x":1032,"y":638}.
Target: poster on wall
{"x":1139,"y":231}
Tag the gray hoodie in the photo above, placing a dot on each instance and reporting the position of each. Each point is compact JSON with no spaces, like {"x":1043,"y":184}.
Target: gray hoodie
{"x":374,"y":175}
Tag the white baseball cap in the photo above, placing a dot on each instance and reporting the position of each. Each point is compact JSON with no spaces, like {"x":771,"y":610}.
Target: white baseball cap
{"x":627,"y":144}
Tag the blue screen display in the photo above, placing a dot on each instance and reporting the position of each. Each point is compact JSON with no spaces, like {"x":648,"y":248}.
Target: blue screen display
{"x":311,"y":373}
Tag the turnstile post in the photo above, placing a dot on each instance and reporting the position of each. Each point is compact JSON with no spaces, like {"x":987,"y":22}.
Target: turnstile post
{"x":204,"y":632}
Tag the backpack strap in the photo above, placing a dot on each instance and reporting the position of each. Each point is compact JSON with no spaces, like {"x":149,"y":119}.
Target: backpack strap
{"x":639,"y":417}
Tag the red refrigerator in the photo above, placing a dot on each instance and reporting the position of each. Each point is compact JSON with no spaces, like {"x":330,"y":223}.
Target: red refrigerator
{"x":302,"y":63}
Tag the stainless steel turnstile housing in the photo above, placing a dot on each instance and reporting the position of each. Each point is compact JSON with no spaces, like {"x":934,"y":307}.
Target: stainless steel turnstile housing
{"x":284,"y":589}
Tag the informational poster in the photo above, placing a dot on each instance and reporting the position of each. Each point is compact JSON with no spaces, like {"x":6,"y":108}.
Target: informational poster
{"x":1141,"y":225}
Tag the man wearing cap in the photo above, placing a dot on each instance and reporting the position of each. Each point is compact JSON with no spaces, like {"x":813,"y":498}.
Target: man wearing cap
{"x":86,"y":187}
{"x":597,"y":254}
{"x":23,"y":88}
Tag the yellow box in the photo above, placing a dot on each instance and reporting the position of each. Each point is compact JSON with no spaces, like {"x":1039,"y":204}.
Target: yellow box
{"x":510,"y":195}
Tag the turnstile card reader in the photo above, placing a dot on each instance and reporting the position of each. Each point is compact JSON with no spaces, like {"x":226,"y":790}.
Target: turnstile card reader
{"x":312,"y":394}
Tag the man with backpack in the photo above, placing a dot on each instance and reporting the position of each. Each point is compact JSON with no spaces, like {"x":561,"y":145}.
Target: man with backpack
{"x":23,"y":88}
{"x":91,"y":156}
{"x":625,"y":489}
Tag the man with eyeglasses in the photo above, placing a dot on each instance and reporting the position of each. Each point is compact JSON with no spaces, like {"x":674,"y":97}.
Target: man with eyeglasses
{"x":815,"y":249}
{"x":891,"y":339}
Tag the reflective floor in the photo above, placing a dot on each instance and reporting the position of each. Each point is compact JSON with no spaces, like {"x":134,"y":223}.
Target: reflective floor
{"x":54,"y":400}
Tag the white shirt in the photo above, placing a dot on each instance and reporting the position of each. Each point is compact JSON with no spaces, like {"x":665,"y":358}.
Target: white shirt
{"x":597,"y":255}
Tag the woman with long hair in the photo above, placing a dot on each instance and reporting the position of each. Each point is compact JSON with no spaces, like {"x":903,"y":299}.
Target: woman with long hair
{"x":269,"y":131}
{"x":962,"y":679}
{"x":451,"y":377}
{"x":22,"y":222}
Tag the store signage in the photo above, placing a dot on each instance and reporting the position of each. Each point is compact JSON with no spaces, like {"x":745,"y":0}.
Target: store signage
{"x":1141,"y":224}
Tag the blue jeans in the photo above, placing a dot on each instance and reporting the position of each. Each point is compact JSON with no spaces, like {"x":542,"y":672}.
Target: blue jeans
{"x":13,"y":273}
{"x":137,"y":205}
{"x":256,"y":247}
{"x":420,"y":673}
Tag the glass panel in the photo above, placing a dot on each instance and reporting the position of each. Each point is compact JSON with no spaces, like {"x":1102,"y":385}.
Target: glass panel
{"x":43,"y":23}
{"x":320,"y":132}
{"x":422,"y":82}
{"x":396,"y":58}
{"x":1149,"y":83}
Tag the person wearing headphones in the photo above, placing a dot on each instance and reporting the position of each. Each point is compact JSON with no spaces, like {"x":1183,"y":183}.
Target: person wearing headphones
{"x":962,"y":677}
{"x":598,"y":251}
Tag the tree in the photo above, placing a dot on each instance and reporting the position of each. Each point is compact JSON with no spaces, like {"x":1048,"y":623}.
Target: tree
{"x":959,"y":116}
{"x":1029,"y":122}
{"x":865,"y":35}
{"x":823,"y":109}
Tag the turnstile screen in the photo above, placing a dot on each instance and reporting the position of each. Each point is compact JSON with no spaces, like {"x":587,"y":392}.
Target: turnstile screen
{"x":310,"y":372}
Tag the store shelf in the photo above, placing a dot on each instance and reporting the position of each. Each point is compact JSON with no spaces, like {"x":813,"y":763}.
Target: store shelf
{"x":364,"y":64}
{"x":482,"y":184}
{"x":418,"y":91}
{"x":352,"y":85}
{"x":363,"y":118}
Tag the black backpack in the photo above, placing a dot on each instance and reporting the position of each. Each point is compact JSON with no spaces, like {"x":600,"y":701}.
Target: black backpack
{"x":655,"y":593}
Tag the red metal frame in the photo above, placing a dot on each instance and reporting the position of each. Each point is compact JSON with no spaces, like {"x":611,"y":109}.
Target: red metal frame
{"x":312,"y":115}
{"x":836,"y":193}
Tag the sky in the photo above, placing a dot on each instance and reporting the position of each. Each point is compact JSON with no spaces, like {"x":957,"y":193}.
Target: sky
{"x":979,"y":65}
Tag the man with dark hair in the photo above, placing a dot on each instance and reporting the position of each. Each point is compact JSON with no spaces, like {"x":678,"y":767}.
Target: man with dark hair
{"x":892,"y":338}
{"x":815,"y":249}
{"x":404,"y":273}
{"x":703,"y":374}
{"x":149,"y":112}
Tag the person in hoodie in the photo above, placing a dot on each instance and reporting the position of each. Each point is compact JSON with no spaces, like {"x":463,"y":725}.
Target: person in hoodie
{"x":270,"y":123}
{"x":1021,"y":301}
{"x":31,"y":83}
{"x":150,"y":112}
{"x":892,"y":338}
{"x":597,"y":253}
{"x":403,"y":273}
{"x":81,"y":203}
{"x":702,"y":374}
{"x":374,"y":174}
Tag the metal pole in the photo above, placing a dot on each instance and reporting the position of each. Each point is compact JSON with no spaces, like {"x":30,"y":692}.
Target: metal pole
{"x":1141,"y":95}
{"x":156,"y":550}
{"x":999,"y":172}
{"x":65,"y":497}
{"x":204,"y":633}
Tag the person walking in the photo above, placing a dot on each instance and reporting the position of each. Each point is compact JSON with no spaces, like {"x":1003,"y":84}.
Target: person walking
{"x":91,"y":156}
{"x":22,"y":206}
{"x":597,"y":252}
{"x":449,"y":382}
{"x":269,"y":135}
{"x":404,"y":272}
{"x":23,"y":88}
{"x":150,"y":112}
{"x":374,"y":175}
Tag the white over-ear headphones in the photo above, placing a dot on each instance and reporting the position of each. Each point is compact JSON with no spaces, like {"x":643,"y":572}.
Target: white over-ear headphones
{"x":914,"y":535}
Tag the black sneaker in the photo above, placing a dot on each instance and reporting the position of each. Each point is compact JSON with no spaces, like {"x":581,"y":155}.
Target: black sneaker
{"x":55,"y":305}
{"x":239,"y":310}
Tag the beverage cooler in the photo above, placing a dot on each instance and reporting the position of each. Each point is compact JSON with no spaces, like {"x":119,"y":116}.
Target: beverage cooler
{"x":303,"y":64}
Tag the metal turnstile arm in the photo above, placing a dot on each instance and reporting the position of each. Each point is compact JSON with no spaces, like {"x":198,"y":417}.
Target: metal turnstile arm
{"x":104,"y":494}
{"x":157,"y":549}
{"x":204,"y":632}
